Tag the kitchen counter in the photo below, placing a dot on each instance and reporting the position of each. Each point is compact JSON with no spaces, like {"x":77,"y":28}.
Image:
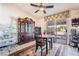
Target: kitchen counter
{"x":16,"y":48}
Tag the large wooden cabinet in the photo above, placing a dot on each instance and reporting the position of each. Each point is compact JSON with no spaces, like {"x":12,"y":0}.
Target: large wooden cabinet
{"x":25,"y":30}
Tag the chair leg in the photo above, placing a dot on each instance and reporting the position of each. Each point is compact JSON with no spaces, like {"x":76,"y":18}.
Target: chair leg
{"x":36,"y":48}
{"x":78,"y":49}
{"x":41,"y":50}
{"x":49,"y":45}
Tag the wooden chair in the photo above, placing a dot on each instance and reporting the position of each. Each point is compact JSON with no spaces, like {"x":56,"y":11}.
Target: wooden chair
{"x":40,"y":43}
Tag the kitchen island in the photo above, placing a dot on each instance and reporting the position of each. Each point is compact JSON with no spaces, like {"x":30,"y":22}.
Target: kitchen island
{"x":26,"y":49}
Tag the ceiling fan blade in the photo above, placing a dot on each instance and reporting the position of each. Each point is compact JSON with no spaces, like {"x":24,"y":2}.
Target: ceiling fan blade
{"x":44,"y":11}
{"x":34,"y":5}
{"x":49,"y":6}
{"x":36,"y":11}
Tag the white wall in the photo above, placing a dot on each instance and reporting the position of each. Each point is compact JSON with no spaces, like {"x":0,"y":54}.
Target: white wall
{"x":9,"y":10}
{"x":74,"y":13}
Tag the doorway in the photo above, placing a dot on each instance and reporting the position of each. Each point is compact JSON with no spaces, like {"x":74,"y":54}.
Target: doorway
{"x":58,"y":28}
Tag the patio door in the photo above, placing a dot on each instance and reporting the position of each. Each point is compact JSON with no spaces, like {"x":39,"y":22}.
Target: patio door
{"x":58,"y":28}
{"x":61,"y":31}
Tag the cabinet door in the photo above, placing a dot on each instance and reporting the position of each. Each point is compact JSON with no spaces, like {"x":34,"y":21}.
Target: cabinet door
{"x":22,"y":27}
{"x":26,"y":27}
{"x":19,"y":26}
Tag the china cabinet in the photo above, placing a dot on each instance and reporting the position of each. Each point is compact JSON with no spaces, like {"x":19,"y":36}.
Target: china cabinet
{"x":25,"y":30}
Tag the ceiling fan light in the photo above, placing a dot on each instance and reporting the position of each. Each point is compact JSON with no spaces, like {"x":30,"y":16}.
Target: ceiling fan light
{"x":41,"y":9}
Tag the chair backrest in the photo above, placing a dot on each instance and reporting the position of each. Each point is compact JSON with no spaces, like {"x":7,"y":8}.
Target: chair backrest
{"x":37,"y":33}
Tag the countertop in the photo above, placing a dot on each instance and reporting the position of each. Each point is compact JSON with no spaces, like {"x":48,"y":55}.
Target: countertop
{"x":15,"y":48}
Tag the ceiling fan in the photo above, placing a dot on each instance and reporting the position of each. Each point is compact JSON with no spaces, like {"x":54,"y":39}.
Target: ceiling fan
{"x":41,"y":7}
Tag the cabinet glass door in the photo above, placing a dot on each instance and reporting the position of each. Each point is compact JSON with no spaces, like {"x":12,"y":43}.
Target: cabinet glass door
{"x":26,"y":27}
{"x":22,"y":27}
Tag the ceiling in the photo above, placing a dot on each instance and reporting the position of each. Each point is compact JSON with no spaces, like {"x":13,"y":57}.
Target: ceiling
{"x":58,"y":7}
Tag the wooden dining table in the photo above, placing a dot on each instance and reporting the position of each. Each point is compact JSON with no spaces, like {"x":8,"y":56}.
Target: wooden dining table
{"x":48,"y":38}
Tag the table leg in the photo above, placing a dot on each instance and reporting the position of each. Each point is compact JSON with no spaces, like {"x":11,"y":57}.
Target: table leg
{"x":78,"y":47}
{"x":46,"y":46}
{"x":51,"y":43}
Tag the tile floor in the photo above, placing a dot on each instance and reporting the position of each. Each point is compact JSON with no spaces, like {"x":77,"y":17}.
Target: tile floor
{"x":66,"y":50}
{"x":70,"y":51}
